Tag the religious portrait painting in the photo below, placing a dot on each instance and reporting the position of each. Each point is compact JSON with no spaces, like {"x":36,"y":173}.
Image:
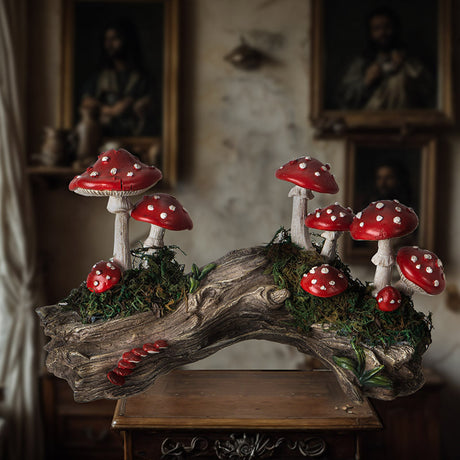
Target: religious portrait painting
{"x":381,"y":63}
{"x":120,"y":71}
{"x":383,"y":167}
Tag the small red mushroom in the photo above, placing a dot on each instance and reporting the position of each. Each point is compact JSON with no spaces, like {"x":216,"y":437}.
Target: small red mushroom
{"x":381,"y":221}
{"x":151,"y":348}
{"x":334,"y":220}
{"x":115,"y":378}
{"x":103,"y":276}
{"x":117,"y":174}
{"x":388,"y":299}
{"x":163,"y":212}
{"x":126,"y":364}
{"x":131,"y":357}
{"x":139,"y":352}
{"x":123,"y":371}
{"x":307,"y":174}
{"x":420,"y":270}
{"x":324,"y":281}
{"x":161,"y":344}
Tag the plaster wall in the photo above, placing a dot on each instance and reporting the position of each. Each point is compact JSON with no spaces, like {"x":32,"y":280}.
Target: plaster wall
{"x":237,"y":128}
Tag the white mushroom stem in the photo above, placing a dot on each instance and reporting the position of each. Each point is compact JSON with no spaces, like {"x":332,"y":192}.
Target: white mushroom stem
{"x":384,"y":260}
{"x":330,"y":244}
{"x":155,"y":238}
{"x":121,"y":206}
{"x":299,"y":233}
{"x":406,"y":286}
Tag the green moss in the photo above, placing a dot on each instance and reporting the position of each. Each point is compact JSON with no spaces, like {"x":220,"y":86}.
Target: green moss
{"x":159,"y":288}
{"x":353,"y":313}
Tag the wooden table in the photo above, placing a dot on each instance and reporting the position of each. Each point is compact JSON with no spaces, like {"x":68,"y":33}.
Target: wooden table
{"x":243,"y":415}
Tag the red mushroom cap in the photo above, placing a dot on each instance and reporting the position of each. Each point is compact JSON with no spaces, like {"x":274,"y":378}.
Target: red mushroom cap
{"x":161,"y":344}
{"x":324,"y":281}
{"x":131,"y":357}
{"x":162,"y":210}
{"x":123,"y":371}
{"x":139,"y":352}
{"x":422,"y":268}
{"x":115,"y":378}
{"x":151,"y":348}
{"x":126,"y":364}
{"x":383,"y":220}
{"x":309,"y":173}
{"x":333,"y":218}
{"x":388,"y":299}
{"x":118,"y":173}
{"x":103,"y":276}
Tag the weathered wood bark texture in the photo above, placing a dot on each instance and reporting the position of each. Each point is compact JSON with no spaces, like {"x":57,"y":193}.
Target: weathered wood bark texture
{"x":235,"y":302}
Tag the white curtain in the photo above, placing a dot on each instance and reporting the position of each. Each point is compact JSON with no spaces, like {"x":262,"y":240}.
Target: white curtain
{"x":19,"y":359}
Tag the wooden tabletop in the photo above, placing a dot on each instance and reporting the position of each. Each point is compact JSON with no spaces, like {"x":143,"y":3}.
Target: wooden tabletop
{"x":222,"y":399}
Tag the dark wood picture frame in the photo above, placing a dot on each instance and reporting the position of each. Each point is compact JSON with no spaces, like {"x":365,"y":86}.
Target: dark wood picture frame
{"x":343,"y":120}
{"x":360,"y":145}
{"x":168,"y":138}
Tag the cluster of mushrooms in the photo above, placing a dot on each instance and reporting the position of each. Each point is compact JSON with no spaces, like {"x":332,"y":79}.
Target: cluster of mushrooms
{"x":420,"y":270}
{"x":118,"y":174}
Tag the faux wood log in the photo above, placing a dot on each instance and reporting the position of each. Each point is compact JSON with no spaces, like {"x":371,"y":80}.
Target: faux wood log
{"x":236,"y":301}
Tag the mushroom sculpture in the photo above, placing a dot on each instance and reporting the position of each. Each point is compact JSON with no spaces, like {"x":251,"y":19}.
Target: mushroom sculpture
{"x":163,"y":212}
{"x":334,"y":220}
{"x":117,"y":174}
{"x":324,"y":281}
{"x":103,"y":276}
{"x":420,"y":270}
{"x":388,"y":299}
{"x":381,"y":221}
{"x":308,"y":174}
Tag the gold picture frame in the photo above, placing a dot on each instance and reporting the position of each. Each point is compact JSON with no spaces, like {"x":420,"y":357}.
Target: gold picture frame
{"x":380,"y":166}
{"x":165,"y":143}
{"x":341,"y":120}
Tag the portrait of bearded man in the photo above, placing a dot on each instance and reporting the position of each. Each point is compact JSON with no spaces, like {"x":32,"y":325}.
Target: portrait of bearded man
{"x":386,"y":76}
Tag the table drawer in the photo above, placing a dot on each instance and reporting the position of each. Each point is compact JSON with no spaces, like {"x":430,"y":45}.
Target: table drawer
{"x":178,"y":445}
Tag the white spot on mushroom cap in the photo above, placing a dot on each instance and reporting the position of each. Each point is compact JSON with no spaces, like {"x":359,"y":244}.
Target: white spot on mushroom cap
{"x":108,"y":277}
{"x":172,"y":207}
{"x":329,"y":211}
{"x":427,"y":256}
{"x":157,"y":197}
{"x":429,"y":270}
{"x":397,"y":220}
{"x":413,"y":259}
{"x":317,"y":173}
{"x":150,"y":207}
{"x":333,"y":218}
{"x":318,"y":215}
{"x":163,"y":215}
{"x":137,"y":166}
{"x":324,"y":168}
{"x":392,"y":301}
{"x":396,"y":201}
{"x":308,"y":158}
{"x":340,"y":275}
{"x":105,"y":159}
{"x":113,"y":171}
{"x":313,"y":270}
{"x":304,"y":275}
{"x":361,"y":224}
{"x":439,"y":263}
{"x":323,"y":288}
{"x":302,"y":165}
{"x":342,"y":214}
{"x":379,"y":218}
{"x":130,"y":174}
{"x":109,"y":265}
{"x":436,"y":283}
{"x":332,"y":283}
{"x":359,"y":215}
{"x":379,"y":205}
{"x":380,"y":299}
{"x":314,"y":281}
{"x":94,"y":174}
{"x":98,"y":272}
{"x":96,"y":283}
{"x":418,"y":266}
{"x":325,"y":270}
{"x":397,"y":209}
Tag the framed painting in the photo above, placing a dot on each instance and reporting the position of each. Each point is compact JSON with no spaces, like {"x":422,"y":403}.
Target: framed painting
{"x":383,"y":64}
{"x":382,"y":167}
{"x":120,"y":62}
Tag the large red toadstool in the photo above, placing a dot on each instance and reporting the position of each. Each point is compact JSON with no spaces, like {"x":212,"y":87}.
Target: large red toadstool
{"x":163,"y":212}
{"x":334,"y":220}
{"x":381,"y":221}
{"x":117,"y":174}
{"x":307,"y":174}
{"x":420,"y":270}
{"x":324,"y":281}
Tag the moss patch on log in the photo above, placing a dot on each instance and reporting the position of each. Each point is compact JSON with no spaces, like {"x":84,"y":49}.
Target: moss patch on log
{"x":353,"y":313}
{"x":158,"y":287}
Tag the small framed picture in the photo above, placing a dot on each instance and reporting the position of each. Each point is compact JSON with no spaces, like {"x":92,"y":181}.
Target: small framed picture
{"x":382,"y":167}
{"x":120,"y":68}
{"x":381,"y":64}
